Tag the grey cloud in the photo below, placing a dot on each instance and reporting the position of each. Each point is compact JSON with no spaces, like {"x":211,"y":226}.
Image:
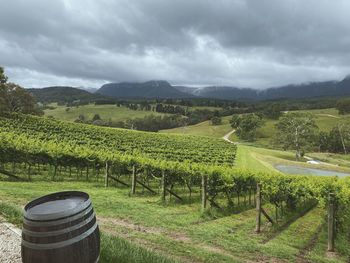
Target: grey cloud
{"x":198,"y":42}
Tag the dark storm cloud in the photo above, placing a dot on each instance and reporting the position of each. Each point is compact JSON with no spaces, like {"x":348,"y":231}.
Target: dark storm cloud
{"x":225,"y":42}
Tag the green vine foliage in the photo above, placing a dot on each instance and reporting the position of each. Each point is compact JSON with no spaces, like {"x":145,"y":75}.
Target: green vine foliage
{"x":184,"y":159}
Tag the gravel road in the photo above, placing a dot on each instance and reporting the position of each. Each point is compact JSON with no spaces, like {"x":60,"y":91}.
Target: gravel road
{"x":10,"y":243}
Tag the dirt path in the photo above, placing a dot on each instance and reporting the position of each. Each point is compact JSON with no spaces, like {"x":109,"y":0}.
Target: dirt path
{"x":10,"y":243}
{"x":328,"y":115}
{"x":226,"y":137}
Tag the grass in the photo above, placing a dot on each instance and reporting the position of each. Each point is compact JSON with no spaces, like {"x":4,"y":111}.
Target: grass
{"x":116,"y":249}
{"x":142,"y":229}
{"x":264,"y":160}
{"x":106,"y":112}
{"x":325,"y":119}
{"x":205,"y":129}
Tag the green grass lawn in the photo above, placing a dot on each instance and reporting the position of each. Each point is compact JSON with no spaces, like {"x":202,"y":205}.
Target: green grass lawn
{"x":106,"y":112}
{"x":205,"y":129}
{"x":263,"y":160}
{"x":143,"y":227}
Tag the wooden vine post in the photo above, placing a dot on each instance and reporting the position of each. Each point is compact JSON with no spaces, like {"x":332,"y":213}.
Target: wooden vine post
{"x":204,"y":192}
{"x":163,"y":186}
{"x":107,"y":174}
{"x":258,"y":208}
{"x":331,"y":225}
{"x":133,"y":180}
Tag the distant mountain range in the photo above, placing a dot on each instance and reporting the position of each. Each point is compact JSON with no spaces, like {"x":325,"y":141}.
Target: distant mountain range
{"x":162,"y":89}
{"x":149,"y":89}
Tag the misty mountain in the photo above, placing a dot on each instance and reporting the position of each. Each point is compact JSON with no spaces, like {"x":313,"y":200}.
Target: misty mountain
{"x":88,"y":89}
{"x":306,"y":90}
{"x":149,"y":89}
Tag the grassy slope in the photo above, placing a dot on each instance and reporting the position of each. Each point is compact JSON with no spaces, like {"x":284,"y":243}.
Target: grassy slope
{"x":325,"y":119}
{"x":106,"y":112}
{"x":204,"y":128}
{"x":176,"y":230}
{"x":262,"y":159}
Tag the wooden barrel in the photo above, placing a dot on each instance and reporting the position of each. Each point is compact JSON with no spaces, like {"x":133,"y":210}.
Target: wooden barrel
{"x":62,"y":228}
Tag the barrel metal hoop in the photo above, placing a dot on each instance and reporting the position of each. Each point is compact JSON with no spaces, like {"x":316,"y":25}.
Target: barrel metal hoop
{"x":57,"y":222}
{"x":59,"y":244}
{"x":59,"y":232}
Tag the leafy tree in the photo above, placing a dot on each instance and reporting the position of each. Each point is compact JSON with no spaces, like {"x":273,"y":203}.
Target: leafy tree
{"x":337,"y":140}
{"x":14,"y":98}
{"x":81,"y":118}
{"x":296,"y":131}
{"x":3,"y":77}
{"x":235,"y":121}
{"x":246,"y":125}
{"x":216,"y":120}
{"x":273,"y":111}
{"x":343,"y":106}
{"x":344,"y":134}
{"x":96,"y":117}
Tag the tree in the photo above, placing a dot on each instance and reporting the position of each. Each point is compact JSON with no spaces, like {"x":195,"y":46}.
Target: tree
{"x":273,"y":111}
{"x":343,"y":106}
{"x":235,"y":121}
{"x":216,"y":120}
{"x":81,"y":119}
{"x":296,"y":131}
{"x":96,"y":117}
{"x":337,"y":140}
{"x":3,"y":77}
{"x":343,"y":134}
{"x":14,"y":98}
{"x":246,"y":125}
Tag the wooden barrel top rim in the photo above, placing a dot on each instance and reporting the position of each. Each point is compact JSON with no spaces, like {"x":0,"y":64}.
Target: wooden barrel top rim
{"x":58,"y":215}
{"x":59,"y":221}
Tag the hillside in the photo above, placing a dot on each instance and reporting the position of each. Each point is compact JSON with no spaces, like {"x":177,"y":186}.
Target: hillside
{"x":147,"y":187}
{"x":107,"y":112}
{"x":204,"y":129}
{"x":63,"y":94}
{"x":150,"y":89}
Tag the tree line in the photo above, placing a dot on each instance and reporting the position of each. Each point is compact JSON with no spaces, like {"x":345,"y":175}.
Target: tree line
{"x":296,"y":131}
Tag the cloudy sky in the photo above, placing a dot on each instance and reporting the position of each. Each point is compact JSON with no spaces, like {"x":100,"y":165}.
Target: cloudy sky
{"x":256,"y":43}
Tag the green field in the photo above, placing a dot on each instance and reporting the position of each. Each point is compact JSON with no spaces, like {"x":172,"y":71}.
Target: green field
{"x":259,"y":156}
{"x":264,"y":160}
{"x":179,"y":231}
{"x":106,"y":112}
{"x":325,"y":119}
{"x":144,"y":227}
{"x":204,"y":128}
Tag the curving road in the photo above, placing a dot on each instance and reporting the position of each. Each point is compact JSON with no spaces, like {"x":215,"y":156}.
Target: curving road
{"x":227,"y":137}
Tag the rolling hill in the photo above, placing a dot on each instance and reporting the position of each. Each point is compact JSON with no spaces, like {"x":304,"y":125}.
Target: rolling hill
{"x":64,"y":94}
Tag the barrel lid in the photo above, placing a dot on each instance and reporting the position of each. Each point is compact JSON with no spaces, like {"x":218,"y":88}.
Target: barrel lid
{"x":56,"y":206}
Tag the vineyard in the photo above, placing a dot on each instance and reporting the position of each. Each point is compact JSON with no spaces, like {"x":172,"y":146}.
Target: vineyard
{"x":185,"y":168}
